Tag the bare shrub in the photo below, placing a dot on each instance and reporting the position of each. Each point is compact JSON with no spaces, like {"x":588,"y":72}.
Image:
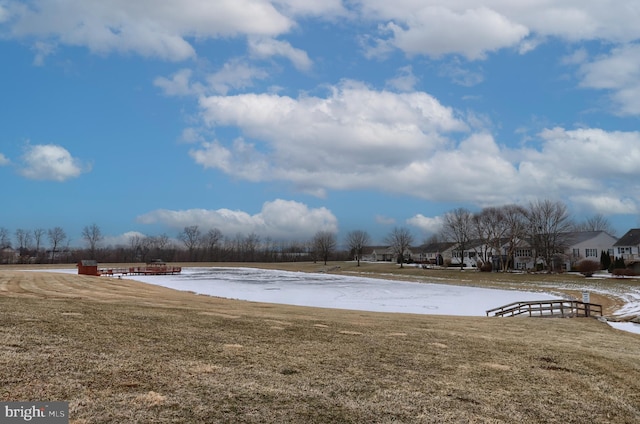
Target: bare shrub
{"x":624,"y":272}
{"x":588,"y":267}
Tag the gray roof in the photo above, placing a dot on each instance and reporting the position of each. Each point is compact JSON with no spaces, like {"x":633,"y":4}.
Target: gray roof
{"x":631,"y":238}
{"x":437,"y":247}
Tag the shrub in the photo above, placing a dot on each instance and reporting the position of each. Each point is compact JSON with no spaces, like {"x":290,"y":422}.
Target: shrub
{"x":622,"y":272}
{"x":588,"y":267}
{"x":486,"y":267}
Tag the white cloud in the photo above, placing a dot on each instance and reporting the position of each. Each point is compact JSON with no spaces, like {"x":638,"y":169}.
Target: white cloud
{"x":578,"y":57}
{"x":158,"y":28}
{"x":404,"y":81}
{"x":606,"y":204}
{"x":179,"y":84}
{"x":263,"y":48}
{"x":279,"y":219}
{"x":3,"y":160}
{"x":235,"y":75}
{"x":425,"y":223}
{"x":441,"y":27}
{"x":326,"y":8}
{"x":4,"y":14}
{"x":461,"y":75}
{"x":122,"y":239}
{"x":355,"y":137}
{"x":385,"y":220}
{"x":42,"y":49}
{"x":358,"y":138}
{"x":50,"y":162}
{"x":619,"y":73}
{"x":436,"y":29}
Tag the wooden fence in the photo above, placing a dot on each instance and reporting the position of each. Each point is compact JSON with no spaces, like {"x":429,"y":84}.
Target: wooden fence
{"x":548,"y":308}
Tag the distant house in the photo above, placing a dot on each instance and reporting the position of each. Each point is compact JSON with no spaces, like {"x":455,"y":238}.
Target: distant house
{"x":628,"y":248}
{"x":8,"y":255}
{"x":387,"y":254}
{"x":581,"y":245}
{"x":377,"y":254}
{"x":436,"y":253}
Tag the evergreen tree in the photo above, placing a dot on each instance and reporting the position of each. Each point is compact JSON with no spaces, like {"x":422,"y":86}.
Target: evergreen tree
{"x":619,"y":264}
{"x":605,"y":260}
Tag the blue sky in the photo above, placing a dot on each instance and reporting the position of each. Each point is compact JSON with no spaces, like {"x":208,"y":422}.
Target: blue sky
{"x":287,"y":117}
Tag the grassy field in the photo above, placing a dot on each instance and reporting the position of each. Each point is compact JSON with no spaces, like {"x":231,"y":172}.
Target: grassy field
{"x":124,"y":352}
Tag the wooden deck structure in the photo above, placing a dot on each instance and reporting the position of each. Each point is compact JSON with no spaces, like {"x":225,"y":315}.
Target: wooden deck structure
{"x":561,"y":308}
{"x":142,"y":270}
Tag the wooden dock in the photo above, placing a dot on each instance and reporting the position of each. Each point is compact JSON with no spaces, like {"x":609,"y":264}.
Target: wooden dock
{"x":142,"y":270}
{"x":561,"y":308}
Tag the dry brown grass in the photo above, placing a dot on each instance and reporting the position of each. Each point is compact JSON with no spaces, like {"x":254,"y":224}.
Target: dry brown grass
{"x":125,"y":352}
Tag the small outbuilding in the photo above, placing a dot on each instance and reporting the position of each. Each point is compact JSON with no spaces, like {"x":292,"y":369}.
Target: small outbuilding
{"x":88,"y":267}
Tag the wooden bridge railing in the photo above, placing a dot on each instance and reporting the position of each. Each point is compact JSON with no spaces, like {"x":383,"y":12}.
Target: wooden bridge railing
{"x":548,"y":308}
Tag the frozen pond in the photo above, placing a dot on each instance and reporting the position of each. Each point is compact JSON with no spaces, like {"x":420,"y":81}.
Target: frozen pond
{"x":342,"y":292}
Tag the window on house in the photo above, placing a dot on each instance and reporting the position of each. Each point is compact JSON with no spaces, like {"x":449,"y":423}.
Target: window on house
{"x":576,"y":253}
{"x":523,"y":252}
{"x":521,"y":265}
{"x":623,"y":250}
{"x":610,"y":252}
{"x":591,"y":253}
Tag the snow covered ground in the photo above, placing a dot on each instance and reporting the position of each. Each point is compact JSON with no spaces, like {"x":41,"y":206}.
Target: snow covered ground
{"x":342,"y":292}
{"x":358,"y":293}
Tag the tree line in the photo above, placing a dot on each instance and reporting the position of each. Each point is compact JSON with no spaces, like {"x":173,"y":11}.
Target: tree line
{"x":544,"y":224}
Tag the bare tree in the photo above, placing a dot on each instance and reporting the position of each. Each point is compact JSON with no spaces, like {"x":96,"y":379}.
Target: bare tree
{"x":549,"y":229}
{"x":211,"y":239}
{"x":250,"y":245}
{"x":5,"y":240}
{"x":597,"y":222}
{"x":56,"y":237}
{"x":38,"y":234}
{"x":399,"y":240}
{"x":458,"y":227}
{"x":93,"y":236}
{"x":191,"y":238}
{"x":135,"y":243}
{"x":489,"y":228}
{"x":324,"y":242}
{"x":356,"y":241}
{"x":23,"y":237}
{"x":515,"y":221}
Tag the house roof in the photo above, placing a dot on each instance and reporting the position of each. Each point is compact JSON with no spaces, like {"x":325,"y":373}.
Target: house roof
{"x":438,"y":247}
{"x":631,"y":238}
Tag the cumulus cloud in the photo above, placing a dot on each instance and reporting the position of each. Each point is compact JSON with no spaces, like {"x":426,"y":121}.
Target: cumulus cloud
{"x":234,"y":75}
{"x":425,"y":223}
{"x":264,"y":48}
{"x":440,"y":27}
{"x":619,"y":74}
{"x":405,"y":80}
{"x":179,"y":84}
{"x":436,"y":31}
{"x":407,"y":143}
{"x":606,"y":204}
{"x":360,"y":134}
{"x":279,"y":219}
{"x":157,"y":28}
{"x":165,"y":28}
{"x":50,"y":162}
